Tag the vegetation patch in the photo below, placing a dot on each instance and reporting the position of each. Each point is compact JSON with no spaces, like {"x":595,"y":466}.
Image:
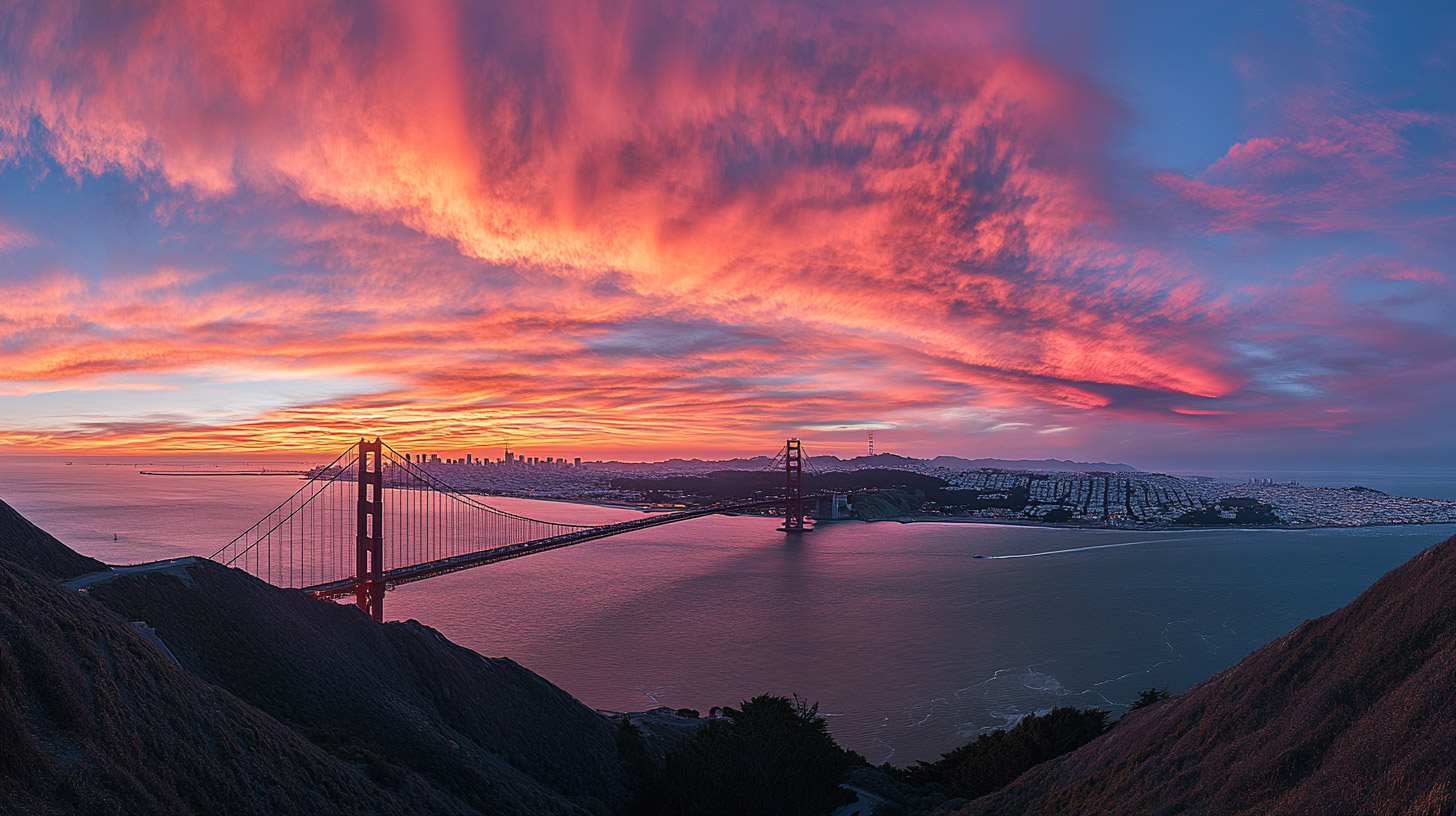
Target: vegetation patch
{"x":774,"y":755}
{"x":994,"y":760}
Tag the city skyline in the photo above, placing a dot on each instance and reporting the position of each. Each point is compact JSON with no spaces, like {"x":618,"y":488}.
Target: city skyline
{"x":1172,"y":237}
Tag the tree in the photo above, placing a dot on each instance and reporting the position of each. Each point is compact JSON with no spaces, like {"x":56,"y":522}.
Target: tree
{"x":997,"y":758}
{"x":774,"y":755}
{"x":1147,"y":697}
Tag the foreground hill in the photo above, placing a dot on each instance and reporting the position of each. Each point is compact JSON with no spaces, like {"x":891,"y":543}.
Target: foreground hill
{"x":94,"y":718}
{"x":265,"y":701}
{"x":24,"y":543}
{"x":1351,"y":713}
{"x":486,"y":730}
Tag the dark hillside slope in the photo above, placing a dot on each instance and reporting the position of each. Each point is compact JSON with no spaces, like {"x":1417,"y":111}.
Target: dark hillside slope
{"x":1352,"y":713}
{"x":486,"y":730}
{"x":30,"y":546}
{"x":95,"y":719}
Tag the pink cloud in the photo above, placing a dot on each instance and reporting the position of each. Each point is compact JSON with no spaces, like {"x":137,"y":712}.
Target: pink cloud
{"x":591,"y":219}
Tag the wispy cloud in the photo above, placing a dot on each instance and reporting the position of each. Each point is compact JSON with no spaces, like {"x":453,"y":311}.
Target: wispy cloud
{"x":674,"y":225}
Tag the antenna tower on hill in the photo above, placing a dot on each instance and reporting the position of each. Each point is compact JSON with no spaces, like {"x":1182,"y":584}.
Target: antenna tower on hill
{"x":871,"y":434}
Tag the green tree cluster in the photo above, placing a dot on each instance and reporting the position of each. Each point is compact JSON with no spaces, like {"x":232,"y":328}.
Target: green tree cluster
{"x":772,"y":756}
{"x":1147,"y":697}
{"x":995,"y":759}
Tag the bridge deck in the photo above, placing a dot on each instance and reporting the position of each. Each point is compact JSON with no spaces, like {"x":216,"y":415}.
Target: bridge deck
{"x":430,"y":569}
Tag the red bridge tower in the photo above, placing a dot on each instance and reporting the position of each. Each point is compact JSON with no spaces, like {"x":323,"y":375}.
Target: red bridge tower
{"x":369,"y":538}
{"x":794,"y":488}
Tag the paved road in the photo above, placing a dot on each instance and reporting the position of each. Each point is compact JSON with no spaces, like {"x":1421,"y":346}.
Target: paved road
{"x":172,"y":566}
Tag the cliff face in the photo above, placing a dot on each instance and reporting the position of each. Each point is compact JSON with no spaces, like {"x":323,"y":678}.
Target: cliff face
{"x":1350,"y":713}
{"x":281,"y":704}
{"x":28,"y":545}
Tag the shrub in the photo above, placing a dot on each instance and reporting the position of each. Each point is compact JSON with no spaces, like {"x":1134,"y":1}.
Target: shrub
{"x":997,"y":758}
{"x":1147,"y":697}
{"x":774,"y":755}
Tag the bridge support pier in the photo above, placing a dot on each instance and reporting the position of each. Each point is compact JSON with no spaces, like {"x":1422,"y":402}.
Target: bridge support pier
{"x":794,"y":488}
{"x":369,"y":537}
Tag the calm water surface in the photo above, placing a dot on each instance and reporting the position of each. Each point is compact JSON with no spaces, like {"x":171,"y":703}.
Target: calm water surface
{"x":908,"y":641}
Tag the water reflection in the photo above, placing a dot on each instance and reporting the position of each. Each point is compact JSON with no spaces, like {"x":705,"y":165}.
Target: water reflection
{"x":910,"y":642}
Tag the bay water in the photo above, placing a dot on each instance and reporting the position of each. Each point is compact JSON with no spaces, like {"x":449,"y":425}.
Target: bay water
{"x":909,"y":642}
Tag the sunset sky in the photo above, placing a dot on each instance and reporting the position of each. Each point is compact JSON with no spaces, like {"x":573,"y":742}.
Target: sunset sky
{"x":1170,"y":234}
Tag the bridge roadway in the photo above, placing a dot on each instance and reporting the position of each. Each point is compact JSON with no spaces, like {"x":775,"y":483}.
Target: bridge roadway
{"x":430,"y":569}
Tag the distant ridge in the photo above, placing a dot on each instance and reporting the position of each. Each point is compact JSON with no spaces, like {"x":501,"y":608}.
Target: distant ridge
{"x":1065,"y":465}
{"x":879,"y":460}
{"x":683,"y":465}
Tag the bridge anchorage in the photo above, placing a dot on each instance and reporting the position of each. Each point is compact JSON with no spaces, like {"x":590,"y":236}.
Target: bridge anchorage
{"x":328,"y":538}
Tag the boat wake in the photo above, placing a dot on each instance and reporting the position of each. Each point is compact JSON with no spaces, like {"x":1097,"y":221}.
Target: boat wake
{"x":1080,"y":549}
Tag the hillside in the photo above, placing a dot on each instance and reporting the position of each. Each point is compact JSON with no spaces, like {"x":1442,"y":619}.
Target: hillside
{"x":1349,"y":713}
{"x":280,"y":704}
{"x":30,"y":546}
{"x":83,"y":696}
{"x":486,"y":730}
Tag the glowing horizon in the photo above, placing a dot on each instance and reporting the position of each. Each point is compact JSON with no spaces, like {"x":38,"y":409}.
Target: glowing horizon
{"x":1136,"y":234}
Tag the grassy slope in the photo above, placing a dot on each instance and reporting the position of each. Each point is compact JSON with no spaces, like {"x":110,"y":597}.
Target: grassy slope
{"x":486,"y":730}
{"x":1350,"y":713}
{"x":28,"y":545}
{"x":337,"y":714}
{"x":94,"y":719}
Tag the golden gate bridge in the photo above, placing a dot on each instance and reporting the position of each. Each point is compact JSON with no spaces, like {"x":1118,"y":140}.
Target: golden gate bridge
{"x":372,"y":520}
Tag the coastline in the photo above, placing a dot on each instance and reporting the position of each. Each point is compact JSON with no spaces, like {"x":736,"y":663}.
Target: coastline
{"x":582,"y":502}
{"x":1151,"y":528}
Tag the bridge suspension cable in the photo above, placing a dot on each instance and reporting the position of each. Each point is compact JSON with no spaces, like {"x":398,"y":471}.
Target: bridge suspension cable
{"x":312,"y":537}
{"x":329,"y":537}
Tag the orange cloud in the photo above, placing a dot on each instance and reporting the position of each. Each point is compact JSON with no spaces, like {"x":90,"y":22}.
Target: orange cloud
{"x":659,"y":224}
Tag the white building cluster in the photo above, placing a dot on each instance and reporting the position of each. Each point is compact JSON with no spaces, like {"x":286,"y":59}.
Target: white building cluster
{"x":1157,"y":499}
